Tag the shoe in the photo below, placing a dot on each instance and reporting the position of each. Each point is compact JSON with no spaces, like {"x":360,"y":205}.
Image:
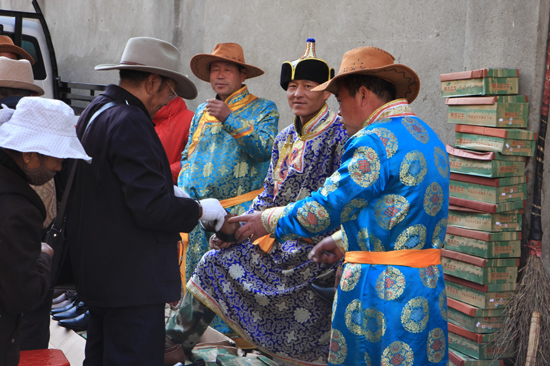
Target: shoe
{"x":174,"y":354}
{"x":64,"y":306}
{"x":325,"y":293}
{"x":72,"y":312}
{"x":78,"y":324}
{"x":57,"y":292}
{"x":66,"y":295}
{"x":60,"y":298}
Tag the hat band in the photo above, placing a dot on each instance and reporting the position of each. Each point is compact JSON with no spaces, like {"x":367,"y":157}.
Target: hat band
{"x":131,"y":63}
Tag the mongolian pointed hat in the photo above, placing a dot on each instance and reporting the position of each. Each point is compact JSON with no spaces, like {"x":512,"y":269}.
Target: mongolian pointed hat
{"x":307,"y":67}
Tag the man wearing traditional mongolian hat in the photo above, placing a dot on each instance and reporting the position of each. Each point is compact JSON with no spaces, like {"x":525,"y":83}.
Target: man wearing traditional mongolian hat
{"x":124,"y":219}
{"x":390,"y":199}
{"x":261,"y":289}
{"x":229,"y":146}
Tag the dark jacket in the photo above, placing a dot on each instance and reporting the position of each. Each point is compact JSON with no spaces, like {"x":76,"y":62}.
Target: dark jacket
{"x":124,"y":221}
{"x":24,"y":269}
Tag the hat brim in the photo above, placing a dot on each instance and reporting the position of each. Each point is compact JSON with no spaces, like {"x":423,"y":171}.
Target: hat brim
{"x":405,"y":80}
{"x":184,"y":86}
{"x":65,"y":147}
{"x":18,"y":51}
{"x":15,"y":84}
{"x":200,"y":66}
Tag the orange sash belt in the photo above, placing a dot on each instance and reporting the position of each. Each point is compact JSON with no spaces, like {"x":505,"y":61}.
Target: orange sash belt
{"x":241,"y":199}
{"x":416,"y":258}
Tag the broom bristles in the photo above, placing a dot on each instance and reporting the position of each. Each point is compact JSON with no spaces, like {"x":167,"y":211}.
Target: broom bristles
{"x":532,"y":294}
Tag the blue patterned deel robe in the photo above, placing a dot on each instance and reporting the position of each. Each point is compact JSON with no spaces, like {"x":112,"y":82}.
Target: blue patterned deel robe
{"x":265,"y":297}
{"x":391,"y":193}
{"x":225,"y":160}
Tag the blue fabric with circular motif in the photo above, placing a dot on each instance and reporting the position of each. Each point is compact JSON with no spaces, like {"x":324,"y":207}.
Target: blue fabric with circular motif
{"x":391,"y":193}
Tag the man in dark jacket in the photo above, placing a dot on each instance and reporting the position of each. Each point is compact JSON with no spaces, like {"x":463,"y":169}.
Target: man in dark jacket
{"x":124,"y":219}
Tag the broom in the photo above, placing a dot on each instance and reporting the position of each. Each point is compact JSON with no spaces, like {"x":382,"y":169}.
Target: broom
{"x":533,"y":292}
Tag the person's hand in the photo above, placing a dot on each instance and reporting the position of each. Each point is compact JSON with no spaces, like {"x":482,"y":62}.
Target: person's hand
{"x":213,"y":212}
{"x":217,"y":243}
{"x":326,"y":251}
{"x":218,"y":109}
{"x":338,"y":276}
{"x":45,"y":248}
{"x":252,"y":228}
{"x":178,"y":192}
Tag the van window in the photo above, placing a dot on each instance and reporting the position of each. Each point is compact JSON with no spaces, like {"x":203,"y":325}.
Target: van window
{"x":30,"y":44}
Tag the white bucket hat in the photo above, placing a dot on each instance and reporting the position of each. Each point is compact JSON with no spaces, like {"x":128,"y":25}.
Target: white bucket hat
{"x":41,"y":125}
{"x":156,"y":57}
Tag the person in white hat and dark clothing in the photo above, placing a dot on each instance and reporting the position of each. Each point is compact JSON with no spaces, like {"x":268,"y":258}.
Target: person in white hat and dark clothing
{"x":124,"y":217}
{"x":16,"y":82}
{"x":34,"y":140}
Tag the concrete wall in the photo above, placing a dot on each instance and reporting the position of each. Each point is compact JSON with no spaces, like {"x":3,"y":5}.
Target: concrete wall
{"x":430,"y":36}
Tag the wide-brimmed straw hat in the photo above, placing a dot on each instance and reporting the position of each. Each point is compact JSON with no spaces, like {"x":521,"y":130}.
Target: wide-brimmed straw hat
{"x":17,"y":74}
{"x":307,"y":67}
{"x":156,"y":57}
{"x":41,"y":125}
{"x":7,"y":45}
{"x":379,"y":63}
{"x":225,"y":52}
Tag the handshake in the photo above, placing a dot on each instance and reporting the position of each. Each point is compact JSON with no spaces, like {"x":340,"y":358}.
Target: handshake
{"x":213,"y":214}
{"x":216,"y":220}
{"x":213,"y":217}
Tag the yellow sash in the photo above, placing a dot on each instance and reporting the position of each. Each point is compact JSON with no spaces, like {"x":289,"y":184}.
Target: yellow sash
{"x":416,"y":258}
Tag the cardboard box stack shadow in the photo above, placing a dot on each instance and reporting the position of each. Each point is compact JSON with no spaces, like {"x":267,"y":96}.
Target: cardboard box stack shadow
{"x":488,"y":189}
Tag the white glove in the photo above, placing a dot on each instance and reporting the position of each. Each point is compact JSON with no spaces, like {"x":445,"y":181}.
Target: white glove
{"x":180,"y":192}
{"x":213,"y":212}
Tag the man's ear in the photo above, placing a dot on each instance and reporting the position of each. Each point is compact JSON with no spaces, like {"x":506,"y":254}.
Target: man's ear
{"x":152,"y":83}
{"x":364,"y":93}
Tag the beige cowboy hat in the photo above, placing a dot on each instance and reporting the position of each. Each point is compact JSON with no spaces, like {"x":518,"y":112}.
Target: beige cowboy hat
{"x":379,"y":63}
{"x":156,"y":57}
{"x":17,"y":74}
{"x":6,"y":45}
{"x":227,"y":52}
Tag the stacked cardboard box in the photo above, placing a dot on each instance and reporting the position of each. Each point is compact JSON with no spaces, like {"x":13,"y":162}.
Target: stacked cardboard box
{"x":488,"y":189}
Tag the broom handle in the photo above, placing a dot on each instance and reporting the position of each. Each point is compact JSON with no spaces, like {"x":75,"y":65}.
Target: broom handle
{"x":535,"y":232}
{"x":533,"y":345}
